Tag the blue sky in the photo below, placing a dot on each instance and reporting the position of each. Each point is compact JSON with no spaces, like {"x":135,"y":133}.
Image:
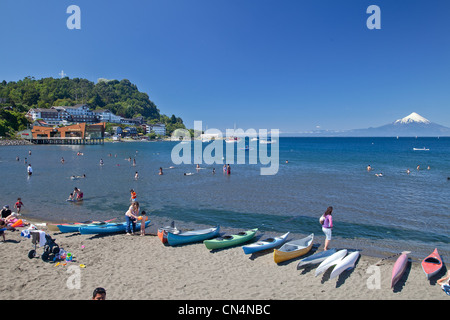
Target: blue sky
{"x":292,"y":65}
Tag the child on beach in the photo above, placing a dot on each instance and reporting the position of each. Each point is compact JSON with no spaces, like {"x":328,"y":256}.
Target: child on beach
{"x":70,"y":197}
{"x":142,"y":218}
{"x":18,"y":205}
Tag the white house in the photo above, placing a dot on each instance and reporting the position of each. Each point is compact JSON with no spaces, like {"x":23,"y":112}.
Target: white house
{"x":107,"y":116}
{"x":158,"y":128}
{"x":81,"y":113}
{"x":53,"y":116}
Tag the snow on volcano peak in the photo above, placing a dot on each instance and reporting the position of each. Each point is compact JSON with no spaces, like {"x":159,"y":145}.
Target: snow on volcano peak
{"x":413,"y":117}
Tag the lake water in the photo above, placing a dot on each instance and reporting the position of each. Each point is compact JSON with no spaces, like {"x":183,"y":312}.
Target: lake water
{"x":378,"y":215}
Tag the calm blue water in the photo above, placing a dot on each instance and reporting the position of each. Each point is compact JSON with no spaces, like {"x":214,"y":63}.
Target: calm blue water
{"x":392,"y":213}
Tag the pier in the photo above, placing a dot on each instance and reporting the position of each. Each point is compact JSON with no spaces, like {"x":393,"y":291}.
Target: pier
{"x":69,"y":141}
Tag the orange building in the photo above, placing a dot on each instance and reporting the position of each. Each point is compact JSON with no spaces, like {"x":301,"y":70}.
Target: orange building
{"x":76,"y":133}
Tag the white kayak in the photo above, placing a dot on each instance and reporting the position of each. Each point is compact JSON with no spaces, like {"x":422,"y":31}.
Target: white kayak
{"x":315,"y":258}
{"x":345,"y":264}
{"x":330,"y":261}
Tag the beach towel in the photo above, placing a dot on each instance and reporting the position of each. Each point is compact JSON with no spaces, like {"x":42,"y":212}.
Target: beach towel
{"x":38,"y":237}
{"x":42,"y":239}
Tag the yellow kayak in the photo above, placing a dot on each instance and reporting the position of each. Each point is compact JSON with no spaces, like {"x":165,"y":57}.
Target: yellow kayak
{"x":293,"y":249}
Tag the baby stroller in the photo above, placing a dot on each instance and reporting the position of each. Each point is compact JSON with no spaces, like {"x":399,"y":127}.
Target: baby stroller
{"x":50,"y":247}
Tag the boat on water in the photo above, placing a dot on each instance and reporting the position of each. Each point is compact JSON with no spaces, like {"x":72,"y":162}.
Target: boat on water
{"x":293,"y":249}
{"x":109,"y":228}
{"x":185,"y":237}
{"x":421,"y":149}
{"x":399,"y":268}
{"x":432,"y":264}
{"x":268,"y":243}
{"x":75,"y":227}
{"x":232,"y":140}
{"x":229,"y":241}
{"x":263,"y":141}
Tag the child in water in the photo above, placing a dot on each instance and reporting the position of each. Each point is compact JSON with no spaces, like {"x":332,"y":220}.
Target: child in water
{"x":18,"y":205}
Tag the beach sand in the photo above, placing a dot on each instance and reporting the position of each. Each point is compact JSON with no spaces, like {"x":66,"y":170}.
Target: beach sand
{"x":135,"y":267}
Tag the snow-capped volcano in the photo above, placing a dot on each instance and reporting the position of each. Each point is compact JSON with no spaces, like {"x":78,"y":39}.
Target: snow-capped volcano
{"x":413,"y":118}
{"x":413,"y":125}
{"x":409,"y":126}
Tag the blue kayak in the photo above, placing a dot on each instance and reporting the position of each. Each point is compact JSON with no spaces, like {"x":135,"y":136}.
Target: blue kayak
{"x":75,"y":227}
{"x":182,"y":237}
{"x":109,"y":228}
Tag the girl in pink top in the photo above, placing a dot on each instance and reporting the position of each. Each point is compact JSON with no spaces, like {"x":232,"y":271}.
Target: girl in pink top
{"x":327,"y":225}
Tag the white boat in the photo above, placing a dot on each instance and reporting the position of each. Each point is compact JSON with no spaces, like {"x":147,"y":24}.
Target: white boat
{"x":421,"y":149}
{"x":316,"y":258}
{"x":330,"y":261}
{"x":345,"y":264}
{"x":232,"y":140}
{"x":262,"y":141}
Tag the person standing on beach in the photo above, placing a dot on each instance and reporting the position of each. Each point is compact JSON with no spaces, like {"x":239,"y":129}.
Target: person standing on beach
{"x":228,"y":169}
{"x":327,"y":225}
{"x":29,"y":170}
{"x":131,"y":216}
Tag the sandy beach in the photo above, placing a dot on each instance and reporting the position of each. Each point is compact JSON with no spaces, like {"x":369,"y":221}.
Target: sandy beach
{"x":135,"y":267}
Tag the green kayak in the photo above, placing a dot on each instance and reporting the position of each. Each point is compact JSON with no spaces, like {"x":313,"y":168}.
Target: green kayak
{"x":228,"y":241}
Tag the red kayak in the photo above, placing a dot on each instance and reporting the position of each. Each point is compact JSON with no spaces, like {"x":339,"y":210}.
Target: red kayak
{"x":432,"y":264}
{"x":399,"y":268}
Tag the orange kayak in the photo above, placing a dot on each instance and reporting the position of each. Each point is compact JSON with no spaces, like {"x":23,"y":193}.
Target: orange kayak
{"x":432,"y":264}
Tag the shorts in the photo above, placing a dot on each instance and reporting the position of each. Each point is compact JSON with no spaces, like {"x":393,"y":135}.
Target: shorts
{"x":327,"y":232}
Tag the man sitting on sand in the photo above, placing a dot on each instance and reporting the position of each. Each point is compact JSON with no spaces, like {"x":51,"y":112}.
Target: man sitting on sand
{"x":5,"y":211}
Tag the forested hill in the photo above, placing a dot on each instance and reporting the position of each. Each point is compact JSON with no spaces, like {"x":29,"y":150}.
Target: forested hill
{"x":121,"y":97}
